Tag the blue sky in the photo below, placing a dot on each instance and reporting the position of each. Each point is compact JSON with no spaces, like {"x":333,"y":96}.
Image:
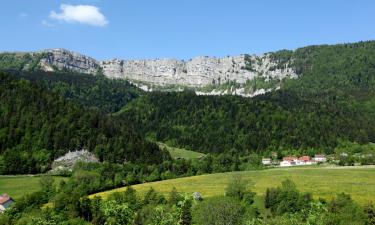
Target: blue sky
{"x":181,"y":28}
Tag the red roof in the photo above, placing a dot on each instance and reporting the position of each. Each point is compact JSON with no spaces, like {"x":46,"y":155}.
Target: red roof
{"x":4,"y":198}
{"x":304,"y":158}
{"x":290,"y":158}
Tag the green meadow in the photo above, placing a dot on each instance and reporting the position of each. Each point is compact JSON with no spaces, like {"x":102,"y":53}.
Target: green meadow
{"x":324,"y":182}
{"x":17,"y":186}
{"x":181,"y":153}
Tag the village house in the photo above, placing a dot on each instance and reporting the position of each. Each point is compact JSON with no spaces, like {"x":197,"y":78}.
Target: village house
{"x":320,"y":158}
{"x":288,"y":161}
{"x":5,"y":202}
{"x":295,"y":161}
{"x":266,"y":161}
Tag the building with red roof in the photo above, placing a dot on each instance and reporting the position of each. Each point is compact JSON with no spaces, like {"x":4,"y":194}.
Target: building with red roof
{"x":5,"y":202}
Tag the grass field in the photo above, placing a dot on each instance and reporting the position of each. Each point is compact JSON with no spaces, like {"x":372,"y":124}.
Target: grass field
{"x":181,"y":153}
{"x":17,"y":186}
{"x":322,"y":182}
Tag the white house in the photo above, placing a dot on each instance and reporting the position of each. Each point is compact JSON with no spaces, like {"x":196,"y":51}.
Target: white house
{"x":320,"y":158}
{"x":295,"y":161}
{"x":266,"y":161}
{"x":286,"y":163}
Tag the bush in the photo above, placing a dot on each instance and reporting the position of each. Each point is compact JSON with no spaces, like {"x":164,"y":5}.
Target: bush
{"x":117,"y":214}
{"x":286,"y":199}
{"x":236,"y":188}
{"x":218,"y":211}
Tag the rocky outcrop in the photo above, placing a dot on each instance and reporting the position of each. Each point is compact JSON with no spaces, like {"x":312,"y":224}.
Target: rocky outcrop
{"x":61,"y":59}
{"x":175,"y":75}
{"x":197,"y":72}
{"x":66,"y":162}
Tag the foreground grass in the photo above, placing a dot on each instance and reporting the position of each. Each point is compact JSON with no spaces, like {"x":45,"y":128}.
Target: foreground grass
{"x":181,"y":153}
{"x":320,"y":181}
{"x":17,"y":186}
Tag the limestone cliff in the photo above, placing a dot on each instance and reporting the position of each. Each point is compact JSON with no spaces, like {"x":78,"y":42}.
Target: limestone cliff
{"x":61,"y":59}
{"x":197,"y":72}
{"x":207,"y":75}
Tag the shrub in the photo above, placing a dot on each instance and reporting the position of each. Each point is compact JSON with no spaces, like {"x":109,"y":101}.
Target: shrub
{"x":218,"y":211}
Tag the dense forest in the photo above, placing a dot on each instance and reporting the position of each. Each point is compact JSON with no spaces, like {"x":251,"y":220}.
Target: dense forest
{"x":98,"y":92}
{"x":37,"y":125}
{"x":333,"y":99}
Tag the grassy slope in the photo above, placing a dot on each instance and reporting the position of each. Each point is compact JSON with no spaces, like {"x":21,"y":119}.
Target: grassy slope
{"x":17,"y":186}
{"x":181,"y":153}
{"x":320,"y":181}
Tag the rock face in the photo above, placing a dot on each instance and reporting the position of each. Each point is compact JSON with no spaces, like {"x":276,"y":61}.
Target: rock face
{"x":62,"y":59}
{"x":196,"y":73}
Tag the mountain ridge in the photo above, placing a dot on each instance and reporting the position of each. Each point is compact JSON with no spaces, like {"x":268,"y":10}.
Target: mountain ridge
{"x":207,"y":75}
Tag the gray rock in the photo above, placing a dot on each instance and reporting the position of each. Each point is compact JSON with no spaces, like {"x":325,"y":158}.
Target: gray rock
{"x":197,"y":72}
{"x":197,"y":196}
{"x":67,"y":161}
{"x":62,"y":59}
{"x":158,"y":73}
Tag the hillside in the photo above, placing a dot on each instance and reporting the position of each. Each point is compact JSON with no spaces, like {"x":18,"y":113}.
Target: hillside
{"x":334,"y":95}
{"x":98,"y":92}
{"x":37,"y":125}
{"x":322,"y":182}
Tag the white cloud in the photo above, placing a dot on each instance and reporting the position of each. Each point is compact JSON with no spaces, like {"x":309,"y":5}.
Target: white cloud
{"x":84,"y":14}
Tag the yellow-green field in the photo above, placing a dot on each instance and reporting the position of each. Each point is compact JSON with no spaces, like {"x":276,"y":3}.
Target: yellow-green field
{"x":17,"y":186}
{"x":181,"y":153}
{"x":322,"y":182}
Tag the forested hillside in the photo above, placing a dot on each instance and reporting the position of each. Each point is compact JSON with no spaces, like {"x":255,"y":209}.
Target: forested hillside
{"x":107,"y":95}
{"x":37,"y":125}
{"x":332,"y":99}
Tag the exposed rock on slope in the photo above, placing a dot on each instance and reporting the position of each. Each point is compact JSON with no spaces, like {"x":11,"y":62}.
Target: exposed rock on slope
{"x":67,"y":161}
{"x":234,"y":73}
{"x":61,"y":59}
{"x":197,"y":72}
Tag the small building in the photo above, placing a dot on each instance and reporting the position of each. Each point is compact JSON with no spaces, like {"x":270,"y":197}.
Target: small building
{"x":304,"y":158}
{"x":320,"y":158}
{"x":266,"y":161}
{"x":290,"y":158}
{"x":5,"y":202}
{"x":297,"y":161}
{"x":289,"y":161}
{"x":286,"y":163}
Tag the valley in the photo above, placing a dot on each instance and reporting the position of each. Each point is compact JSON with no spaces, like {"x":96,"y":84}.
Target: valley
{"x":187,"y":112}
{"x":204,"y":140}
